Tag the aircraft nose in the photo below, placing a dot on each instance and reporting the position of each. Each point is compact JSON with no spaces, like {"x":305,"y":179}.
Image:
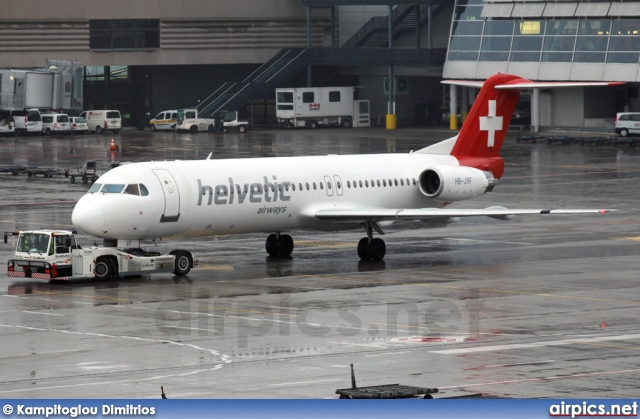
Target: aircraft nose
{"x":89,"y":217}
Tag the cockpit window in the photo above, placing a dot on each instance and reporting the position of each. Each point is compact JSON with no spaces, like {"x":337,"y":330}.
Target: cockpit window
{"x":95,"y":188}
{"x":132,"y":189}
{"x":112,"y":188}
{"x":143,"y":190}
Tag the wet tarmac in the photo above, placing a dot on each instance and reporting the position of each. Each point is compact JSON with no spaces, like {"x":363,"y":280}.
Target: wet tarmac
{"x":542,"y":306}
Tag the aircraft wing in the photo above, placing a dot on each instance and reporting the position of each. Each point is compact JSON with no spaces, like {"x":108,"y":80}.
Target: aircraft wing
{"x":351,"y":215}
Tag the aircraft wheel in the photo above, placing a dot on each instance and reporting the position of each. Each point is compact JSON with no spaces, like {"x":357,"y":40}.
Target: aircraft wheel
{"x":183,"y":262}
{"x":377,"y":249}
{"x":363,"y":244}
{"x":270,"y":245}
{"x":103,"y":268}
{"x":284,"y":245}
{"x":427,"y":396}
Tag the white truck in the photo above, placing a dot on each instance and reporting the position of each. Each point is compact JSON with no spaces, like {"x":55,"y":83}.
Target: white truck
{"x":314,"y":106}
{"x":54,"y":255}
{"x":188,"y":120}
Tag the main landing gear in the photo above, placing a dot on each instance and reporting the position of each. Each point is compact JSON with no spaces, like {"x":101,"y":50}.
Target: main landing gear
{"x":370,"y":248}
{"x":279,"y":245}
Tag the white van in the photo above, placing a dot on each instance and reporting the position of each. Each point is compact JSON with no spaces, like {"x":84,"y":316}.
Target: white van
{"x":55,"y":123}
{"x":103,"y":120}
{"x":165,"y":120}
{"x":627,"y":123}
{"x":28,"y":121}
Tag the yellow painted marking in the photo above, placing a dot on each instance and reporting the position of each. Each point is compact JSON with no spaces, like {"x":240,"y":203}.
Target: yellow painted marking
{"x":382,"y":281}
{"x":206,"y":267}
{"x":80,"y":295}
{"x":604,"y":344}
{"x":635,"y":239}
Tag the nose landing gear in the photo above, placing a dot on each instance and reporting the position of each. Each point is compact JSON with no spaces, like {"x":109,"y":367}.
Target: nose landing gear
{"x":279,"y":245}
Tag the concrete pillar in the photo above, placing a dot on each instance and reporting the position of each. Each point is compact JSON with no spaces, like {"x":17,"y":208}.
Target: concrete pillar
{"x":535,"y":110}
{"x":309,"y":81}
{"x":453,"y":107}
{"x":391,"y":113}
{"x":464,"y":108}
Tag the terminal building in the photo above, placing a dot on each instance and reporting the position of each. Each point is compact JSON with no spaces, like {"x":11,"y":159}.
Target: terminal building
{"x":150,"y":55}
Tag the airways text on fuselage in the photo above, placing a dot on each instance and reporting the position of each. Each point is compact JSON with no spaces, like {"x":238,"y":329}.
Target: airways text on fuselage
{"x":225,"y":194}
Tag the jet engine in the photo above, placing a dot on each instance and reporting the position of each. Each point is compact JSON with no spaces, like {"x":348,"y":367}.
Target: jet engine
{"x":455,"y":183}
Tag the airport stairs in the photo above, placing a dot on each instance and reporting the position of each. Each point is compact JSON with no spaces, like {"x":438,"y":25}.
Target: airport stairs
{"x":375,"y":33}
{"x":369,"y":48}
{"x":260,"y":84}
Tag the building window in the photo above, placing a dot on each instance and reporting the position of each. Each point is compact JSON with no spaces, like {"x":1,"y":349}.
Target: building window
{"x":124,"y":34}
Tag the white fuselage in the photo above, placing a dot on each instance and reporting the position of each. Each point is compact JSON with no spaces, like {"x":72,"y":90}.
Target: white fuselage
{"x":251,"y":195}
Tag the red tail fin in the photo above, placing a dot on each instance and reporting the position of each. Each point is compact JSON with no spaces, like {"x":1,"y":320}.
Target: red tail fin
{"x":484,"y":130}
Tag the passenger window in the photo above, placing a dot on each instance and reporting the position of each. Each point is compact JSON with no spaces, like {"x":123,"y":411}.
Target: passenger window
{"x":384,"y":182}
{"x":314,"y":186}
{"x":95,"y":188}
{"x":635,"y":117}
{"x":334,"y":96}
{"x":366,"y":183}
{"x":307,"y":185}
{"x":328,"y":185}
{"x":321,"y":185}
{"x":395,"y":181}
{"x":360,"y":184}
{"x":300,"y":185}
{"x":349,"y":184}
{"x":143,"y":190}
{"x":174,"y":115}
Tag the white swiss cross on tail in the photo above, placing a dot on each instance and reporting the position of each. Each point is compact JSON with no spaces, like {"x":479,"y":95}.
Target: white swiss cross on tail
{"x":491,"y":123}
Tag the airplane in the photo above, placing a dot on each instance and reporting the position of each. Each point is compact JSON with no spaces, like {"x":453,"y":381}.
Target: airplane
{"x":151,"y":200}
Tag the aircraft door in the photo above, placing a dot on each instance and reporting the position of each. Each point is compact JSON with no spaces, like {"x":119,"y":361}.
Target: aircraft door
{"x":338,"y":183}
{"x":329,"y":185}
{"x":171,"y":196}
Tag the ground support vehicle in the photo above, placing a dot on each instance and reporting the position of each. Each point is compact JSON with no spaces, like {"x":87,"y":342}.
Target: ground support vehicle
{"x":384,"y":391}
{"x":34,"y":170}
{"x":229,"y":121}
{"x":47,"y":171}
{"x":165,"y":120}
{"x":88,"y":173}
{"x":55,"y":255}
{"x":314,"y":106}
{"x":99,"y":121}
{"x":189,"y":120}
